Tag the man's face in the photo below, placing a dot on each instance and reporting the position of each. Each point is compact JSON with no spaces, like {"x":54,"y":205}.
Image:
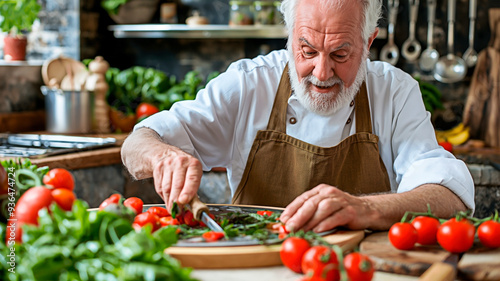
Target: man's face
{"x":327,"y":50}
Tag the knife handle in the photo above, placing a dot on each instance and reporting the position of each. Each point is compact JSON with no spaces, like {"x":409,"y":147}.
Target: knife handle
{"x":198,"y":207}
{"x":439,"y":271}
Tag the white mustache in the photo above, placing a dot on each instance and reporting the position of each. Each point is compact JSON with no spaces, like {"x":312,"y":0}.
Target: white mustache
{"x":328,"y":83}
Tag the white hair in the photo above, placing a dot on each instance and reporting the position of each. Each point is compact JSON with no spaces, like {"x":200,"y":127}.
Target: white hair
{"x":372,"y":11}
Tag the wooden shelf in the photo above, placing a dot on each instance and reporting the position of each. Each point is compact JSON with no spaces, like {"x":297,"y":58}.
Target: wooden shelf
{"x":203,"y":31}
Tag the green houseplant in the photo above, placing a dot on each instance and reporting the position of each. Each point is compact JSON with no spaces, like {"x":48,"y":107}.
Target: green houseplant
{"x":17,"y":17}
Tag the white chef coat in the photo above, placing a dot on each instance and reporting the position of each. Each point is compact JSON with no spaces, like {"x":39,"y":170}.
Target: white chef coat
{"x":220,"y":125}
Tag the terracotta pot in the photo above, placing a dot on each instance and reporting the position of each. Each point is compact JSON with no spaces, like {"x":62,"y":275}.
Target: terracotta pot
{"x":136,"y":12}
{"x":15,"y":48}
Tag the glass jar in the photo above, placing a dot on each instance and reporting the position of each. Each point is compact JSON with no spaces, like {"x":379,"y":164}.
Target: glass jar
{"x":241,"y":13}
{"x":264,"y":13}
{"x":278,"y":18}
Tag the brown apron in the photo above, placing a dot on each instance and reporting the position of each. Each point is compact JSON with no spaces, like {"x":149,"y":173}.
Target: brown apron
{"x":280,"y":168}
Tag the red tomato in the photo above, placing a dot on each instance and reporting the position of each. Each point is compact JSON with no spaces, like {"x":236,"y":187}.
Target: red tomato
{"x":134,"y":203}
{"x":427,"y":228}
{"x":64,"y":198}
{"x":282,"y":231}
{"x":113,"y":199}
{"x":359,"y":267}
{"x":143,"y":219}
{"x":59,"y":178}
{"x":159,"y":211}
{"x":456,"y":236}
{"x":32,"y":201}
{"x":489,"y":234}
{"x":188,"y":219}
{"x":292,"y":251}
{"x":203,"y":224}
{"x":321,"y":261}
{"x":211,"y":236}
{"x":403,"y":235}
{"x":265,"y":213}
{"x":145,"y":109}
{"x":446,"y":145}
{"x":164,"y":221}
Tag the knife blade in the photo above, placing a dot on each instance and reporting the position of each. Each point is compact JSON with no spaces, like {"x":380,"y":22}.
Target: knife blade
{"x":445,"y":270}
{"x":201,"y":212}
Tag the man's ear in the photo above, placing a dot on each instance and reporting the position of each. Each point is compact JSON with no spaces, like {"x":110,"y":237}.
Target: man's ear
{"x":371,"y":38}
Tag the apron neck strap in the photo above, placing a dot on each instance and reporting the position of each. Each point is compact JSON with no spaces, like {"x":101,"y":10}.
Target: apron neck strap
{"x":362,"y":111}
{"x":277,"y":120}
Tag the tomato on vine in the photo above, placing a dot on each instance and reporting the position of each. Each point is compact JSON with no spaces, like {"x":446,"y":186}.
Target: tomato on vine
{"x":403,"y":235}
{"x":427,"y":228}
{"x":359,"y":267}
{"x":488,"y":233}
{"x":292,"y":251}
{"x":456,"y":236}
{"x":321,"y":262}
{"x":59,"y":178}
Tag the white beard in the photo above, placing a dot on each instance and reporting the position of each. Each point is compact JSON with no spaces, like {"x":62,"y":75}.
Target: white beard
{"x":325,"y":103}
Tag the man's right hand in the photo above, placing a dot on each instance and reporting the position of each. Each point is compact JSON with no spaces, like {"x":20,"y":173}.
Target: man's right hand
{"x":177,"y":177}
{"x":177,"y":174}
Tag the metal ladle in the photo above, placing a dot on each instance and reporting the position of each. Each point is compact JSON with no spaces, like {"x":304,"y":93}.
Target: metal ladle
{"x":430,"y":55}
{"x":411,"y":47}
{"x":450,"y":68}
{"x":470,"y":55}
{"x":390,"y":52}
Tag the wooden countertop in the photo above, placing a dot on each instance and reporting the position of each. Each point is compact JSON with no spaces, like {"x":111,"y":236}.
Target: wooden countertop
{"x":85,"y":159}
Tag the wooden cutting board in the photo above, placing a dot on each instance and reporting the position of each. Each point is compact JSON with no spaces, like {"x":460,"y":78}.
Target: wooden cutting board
{"x":250,"y":256}
{"x":479,"y":263}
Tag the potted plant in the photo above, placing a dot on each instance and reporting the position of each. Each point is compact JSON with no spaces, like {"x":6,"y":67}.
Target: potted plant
{"x":130,"y":11}
{"x":17,"y":18}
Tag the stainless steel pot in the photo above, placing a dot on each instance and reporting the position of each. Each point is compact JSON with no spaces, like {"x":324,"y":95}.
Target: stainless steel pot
{"x":68,"y":111}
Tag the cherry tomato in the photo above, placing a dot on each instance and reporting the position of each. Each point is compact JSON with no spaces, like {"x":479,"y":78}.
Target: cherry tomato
{"x":427,"y":228}
{"x":212,"y":236}
{"x":168,"y":220}
{"x":203,"y":224}
{"x":456,"y":236}
{"x":134,"y":203}
{"x":488,"y":233}
{"x":446,"y":145}
{"x":64,"y":198}
{"x":146,"y":218}
{"x":292,"y":251}
{"x":32,"y":201}
{"x":403,"y":235}
{"x":59,"y":178}
{"x":265,"y":213}
{"x":359,"y":267}
{"x":321,"y":261}
{"x":282,"y":231}
{"x":159,"y":211}
{"x":113,"y":199}
{"x":188,"y":219}
{"x":145,"y":109}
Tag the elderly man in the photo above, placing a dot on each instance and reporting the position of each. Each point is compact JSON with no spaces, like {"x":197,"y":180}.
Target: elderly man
{"x":318,"y":128}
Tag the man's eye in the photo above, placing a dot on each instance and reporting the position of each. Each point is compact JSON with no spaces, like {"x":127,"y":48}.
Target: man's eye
{"x":308,"y":52}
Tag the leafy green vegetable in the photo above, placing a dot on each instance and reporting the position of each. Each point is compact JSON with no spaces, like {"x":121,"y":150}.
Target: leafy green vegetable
{"x":18,"y":15}
{"x":112,"y":6}
{"x":91,"y":245}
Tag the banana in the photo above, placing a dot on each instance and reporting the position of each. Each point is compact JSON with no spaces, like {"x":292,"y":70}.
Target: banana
{"x":456,"y":135}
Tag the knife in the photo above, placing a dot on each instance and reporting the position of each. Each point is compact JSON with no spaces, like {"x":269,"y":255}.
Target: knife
{"x":200,"y":212}
{"x":445,"y":270}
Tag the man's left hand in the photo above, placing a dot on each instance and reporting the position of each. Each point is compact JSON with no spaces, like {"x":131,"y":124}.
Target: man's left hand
{"x":326,"y":207}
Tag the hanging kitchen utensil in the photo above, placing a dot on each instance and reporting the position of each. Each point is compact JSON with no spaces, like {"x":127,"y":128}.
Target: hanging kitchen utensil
{"x":470,"y":55}
{"x":390,"y":52}
{"x":450,"y":68}
{"x":430,"y":55}
{"x":411,"y":47}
